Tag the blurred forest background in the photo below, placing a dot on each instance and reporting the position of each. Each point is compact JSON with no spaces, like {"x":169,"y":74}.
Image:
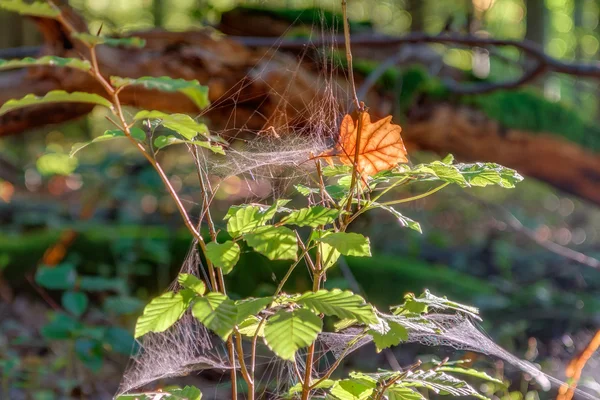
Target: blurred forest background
{"x":102,"y":222}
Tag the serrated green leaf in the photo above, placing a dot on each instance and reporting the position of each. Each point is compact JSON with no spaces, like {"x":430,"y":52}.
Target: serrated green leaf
{"x":274,"y":242}
{"x":470,"y":372}
{"x":440,"y":383}
{"x":404,"y":221}
{"x":342,"y":304}
{"x":426,"y":300}
{"x":186,"y":393}
{"x":485,"y":174}
{"x":324,"y":384}
{"x":335,"y":170}
{"x":183,"y":124}
{"x":249,"y":307}
{"x":162,"y":312}
{"x":58,"y":277}
{"x":192,"y":282}
{"x":75,"y":302}
{"x":35,"y":9}
{"x":136,"y":133}
{"x":288,"y":331}
{"x":394,"y":335}
{"x":348,"y":243}
{"x":245,"y":218}
{"x":47,"y":61}
{"x":305,"y":190}
{"x":163,"y":141}
{"x":196,"y":92}
{"x":55,"y":96}
{"x":352,"y":389}
{"x":397,"y":392}
{"x":95,"y":40}
{"x":449,"y":159}
{"x":249,"y":326}
{"x":216,"y":312}
{"x":312,"y":216}
{"x":329,"y":254}
{"x":224,"y":255}
{"x":448,"y":173}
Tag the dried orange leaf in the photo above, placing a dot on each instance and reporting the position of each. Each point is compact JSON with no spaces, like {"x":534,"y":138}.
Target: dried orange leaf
{"x":380,"y":148}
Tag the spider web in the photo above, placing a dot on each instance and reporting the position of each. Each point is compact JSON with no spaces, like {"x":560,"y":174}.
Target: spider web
{"x":303,"y":122}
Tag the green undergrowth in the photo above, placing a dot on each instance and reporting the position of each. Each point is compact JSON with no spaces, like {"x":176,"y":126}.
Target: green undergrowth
{"x":255,"y":275}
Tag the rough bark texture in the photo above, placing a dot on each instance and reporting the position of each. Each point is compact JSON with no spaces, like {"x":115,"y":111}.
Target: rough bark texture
{"x":248,"y":85}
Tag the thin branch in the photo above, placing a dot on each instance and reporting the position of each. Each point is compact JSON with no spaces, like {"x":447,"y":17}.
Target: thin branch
{"x":554,"y":247}
{"x":382,"y":41}
{"x":349,"y":54}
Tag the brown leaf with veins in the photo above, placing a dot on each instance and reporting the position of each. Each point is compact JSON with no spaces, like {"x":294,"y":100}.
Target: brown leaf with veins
{"x":380,"y":148}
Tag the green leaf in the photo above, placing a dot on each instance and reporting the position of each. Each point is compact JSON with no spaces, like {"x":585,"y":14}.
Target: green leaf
{"x":35,"y":9}
{"x":249,"y":326}
{"x":56,"y":164}
{"x":49,"y":61}
{"x":187,"y":393}
{"x":427,"y":300}
{"x":183,"y":124}
{"x":288,"y":331}
{"x":90,"y":353}
{"x":484,"y":174}
{"x":95,"y":40}
{"x":163,"y":141}
{"x":75,"y":302}
{"x":353,"y":389}
{"x":305,"y":190}
{"x":297,"y":388}
{"x":394,"y":335}
{"x":224,"y":255}
{"x":335,"y":170}
{"x":312,"y":216}
{"x":448,"y":173}
{"x":216,"y":312}
{"x":60,"y":327}
{"x":119,"y":340}
{"x":59,"y":277}
{"x":342,"y":304}
{"x":136,"y":133}
{"x":246,"y":218}
{"x":449,"y":159}
{"x":329,"y":254}
{"x":470,"y":372}
{"x":55,"y":96}
{"x":191,"y":282}
{"x":440,"y":383}
{"x":404,"y":221}
{"x":348,"y":243}
{"x":197,"y":93}
{"x":250,"y":307}
{"x":274,"y":242}
{"x":162,"y":312}
{"x":122,"y":305}
{"x":397,"y":392}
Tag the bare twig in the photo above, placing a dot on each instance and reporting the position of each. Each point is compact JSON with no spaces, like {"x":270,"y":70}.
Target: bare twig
{"x":554,"y":247}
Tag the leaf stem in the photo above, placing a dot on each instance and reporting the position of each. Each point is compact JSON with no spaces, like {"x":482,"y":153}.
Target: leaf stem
{"x":417,"y":197}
